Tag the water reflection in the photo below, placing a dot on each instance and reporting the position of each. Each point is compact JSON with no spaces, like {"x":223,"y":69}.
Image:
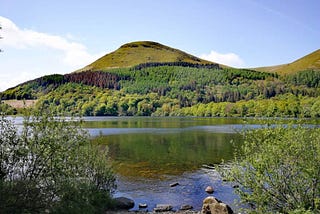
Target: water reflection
{"x":154,"y":155}
{"x":150,"y":153}
{"x":156,"y":122}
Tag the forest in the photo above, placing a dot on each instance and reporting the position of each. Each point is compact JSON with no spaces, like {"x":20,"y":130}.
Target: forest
{"x":171,"y":89}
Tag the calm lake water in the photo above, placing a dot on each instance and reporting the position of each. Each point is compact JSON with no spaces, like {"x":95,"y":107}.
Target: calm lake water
{"x":149,"y":154}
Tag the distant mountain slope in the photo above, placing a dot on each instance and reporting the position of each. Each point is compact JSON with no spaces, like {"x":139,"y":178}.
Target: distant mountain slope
{"x":135,"y":53}
{"x":151,"y":79}
{"x":308,"y":62}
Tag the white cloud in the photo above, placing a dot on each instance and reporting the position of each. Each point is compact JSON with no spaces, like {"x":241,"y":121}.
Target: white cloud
{"x":74,"y":54}
{"x":38,"y":54}
{"x":230,"y":59}
{"x":10,"y":81}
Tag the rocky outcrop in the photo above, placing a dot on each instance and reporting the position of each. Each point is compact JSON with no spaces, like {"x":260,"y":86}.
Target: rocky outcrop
{"x":211,"y":205}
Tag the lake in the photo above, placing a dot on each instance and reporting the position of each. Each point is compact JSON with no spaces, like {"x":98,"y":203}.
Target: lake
{"x":148,"y":154}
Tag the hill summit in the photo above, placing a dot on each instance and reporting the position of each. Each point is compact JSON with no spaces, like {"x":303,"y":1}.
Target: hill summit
{"x":135,"y":53}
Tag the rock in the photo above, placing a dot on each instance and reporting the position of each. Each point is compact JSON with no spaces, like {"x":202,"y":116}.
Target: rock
{"x":209,"y":189}
{"x":124,"y":203}
{"x":210,"y":200}
{"x":235,"y":186}
{"x":162,"y":208}
{"x":220,"y":208}
{"x":143,"y":205}
{"x":209,"y":166}
{"x":186,"y":207}
{"x":211,"y":205}
{"x":174,"y":184}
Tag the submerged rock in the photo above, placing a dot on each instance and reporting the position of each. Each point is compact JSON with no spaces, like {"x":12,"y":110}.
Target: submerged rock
{"x":123,"y":203}
{"x":141,"y":205}
{"x":174,"y":184}
{"x":209,"y":189}
{"x":235,"y":186}
{"x":163,"y":208}
{"x":186,"y":207}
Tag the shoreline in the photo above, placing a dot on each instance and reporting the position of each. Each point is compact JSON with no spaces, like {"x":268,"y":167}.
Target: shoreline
{"x":165,"y":212}
{"x":149,"y":212}
{"x":210,"y":205}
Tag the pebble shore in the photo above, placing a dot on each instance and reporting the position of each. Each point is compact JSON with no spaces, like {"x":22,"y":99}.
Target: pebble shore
{"x":167,"y":212}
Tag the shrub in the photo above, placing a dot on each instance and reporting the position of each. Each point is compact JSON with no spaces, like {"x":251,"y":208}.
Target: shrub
{"x":278,"y":169}
{"x":46,"y":160}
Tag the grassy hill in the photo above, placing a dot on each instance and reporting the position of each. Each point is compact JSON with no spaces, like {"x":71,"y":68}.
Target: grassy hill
{"x":147,"y":78}
{"x":135,"y":53}
{"x":308,"y":62}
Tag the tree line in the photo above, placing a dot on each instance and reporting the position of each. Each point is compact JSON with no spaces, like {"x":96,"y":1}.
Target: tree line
{"x":181,"y":64}
{"x":155,"y":90}
{"x":33,"y":89}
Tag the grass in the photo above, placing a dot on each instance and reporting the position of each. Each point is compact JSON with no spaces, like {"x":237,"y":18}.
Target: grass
{"x":308,"y":62}
{"x":135,"y":53}
{"x":20,"y":103}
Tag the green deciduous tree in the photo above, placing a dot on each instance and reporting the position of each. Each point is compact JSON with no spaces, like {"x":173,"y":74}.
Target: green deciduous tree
{"x":278,"y":169}
{"x":50,"y":165}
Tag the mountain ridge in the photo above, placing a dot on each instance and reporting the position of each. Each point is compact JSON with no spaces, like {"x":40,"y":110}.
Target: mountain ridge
{"x":140,"y":52}
{"x":308,"y":62}
{"x":150,"y":79}
{"x":144,"y":52}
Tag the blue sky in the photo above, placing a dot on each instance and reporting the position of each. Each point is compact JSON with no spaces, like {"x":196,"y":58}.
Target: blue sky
{"x":60,"y":36}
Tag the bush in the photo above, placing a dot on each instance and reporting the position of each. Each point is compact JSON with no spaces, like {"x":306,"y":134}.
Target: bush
{"x":49,"y":164}
{"x":278,"y":169}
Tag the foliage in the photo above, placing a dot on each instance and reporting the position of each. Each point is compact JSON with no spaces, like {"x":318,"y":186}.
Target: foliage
{"x":98,"y":78}
{"x":163,"y":89}
{"x":38,"y":87}
{"x":7,"y":109}
{"x":278,"y":169}
{"x":49,"y":161}
{"x":286,"y":105}
{"x":182,"y":64}
{"x":310,"y":78}
{"x":34,"y":88}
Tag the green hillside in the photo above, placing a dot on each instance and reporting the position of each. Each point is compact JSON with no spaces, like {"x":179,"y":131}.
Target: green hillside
{"x":308,"y":62}
{"x":150,"y":79}
{"x":136,"y":53}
